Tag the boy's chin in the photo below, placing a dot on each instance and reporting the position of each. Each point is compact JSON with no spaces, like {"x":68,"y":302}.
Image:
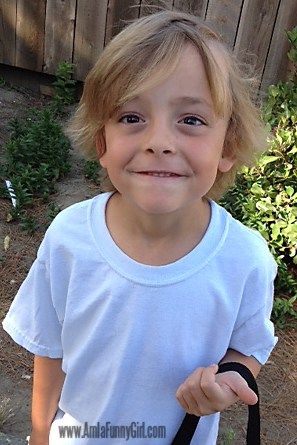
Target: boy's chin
{"x":159,"y":206}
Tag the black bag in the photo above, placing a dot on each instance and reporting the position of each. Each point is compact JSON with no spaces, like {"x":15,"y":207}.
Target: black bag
{"x":190,"y":422}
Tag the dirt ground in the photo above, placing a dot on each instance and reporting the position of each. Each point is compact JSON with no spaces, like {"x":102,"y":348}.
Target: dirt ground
{"x":277,"y":380}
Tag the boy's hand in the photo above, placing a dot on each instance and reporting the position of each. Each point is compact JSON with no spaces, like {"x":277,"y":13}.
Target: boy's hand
{"x":205,"y":392}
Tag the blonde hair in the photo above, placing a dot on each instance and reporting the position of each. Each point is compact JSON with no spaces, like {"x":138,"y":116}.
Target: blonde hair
{"x":146,"y":52}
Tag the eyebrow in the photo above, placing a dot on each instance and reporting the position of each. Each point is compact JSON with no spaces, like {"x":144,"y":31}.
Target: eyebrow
{"x":189,"y":100}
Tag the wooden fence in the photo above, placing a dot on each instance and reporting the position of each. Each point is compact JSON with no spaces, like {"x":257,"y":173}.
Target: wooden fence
{"x":38,"y":34}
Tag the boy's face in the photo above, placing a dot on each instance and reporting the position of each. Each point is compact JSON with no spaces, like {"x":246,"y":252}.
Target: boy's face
{"x":164,"y":148}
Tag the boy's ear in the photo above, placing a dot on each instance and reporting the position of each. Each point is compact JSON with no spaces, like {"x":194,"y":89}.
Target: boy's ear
{"x":228,"y":156}
{"x":100,"y":143}
{"x":226,"y":162}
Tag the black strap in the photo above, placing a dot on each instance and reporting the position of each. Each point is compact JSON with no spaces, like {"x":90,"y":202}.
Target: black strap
{"x":190,"y":422}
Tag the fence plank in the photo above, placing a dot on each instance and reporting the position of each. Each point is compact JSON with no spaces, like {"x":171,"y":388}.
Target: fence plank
{"x":277,"y":63}
{"x":59,"y":33}
{"x":224,"y":17}
{"x":77,"y":30}
{"x":7,"y":31}
{"x":147,"y":7}
{"x":196,"y":7}
{"x":30,"y":34}
{"x":254,"y":33}
{"x":119,"y":12}
{"x":89,"y":35}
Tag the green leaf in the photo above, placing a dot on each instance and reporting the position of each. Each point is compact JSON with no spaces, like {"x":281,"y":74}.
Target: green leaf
{"x":267,"y":159}
{"x":256,"y":189}
{"x":275,"y":230}
{"x":289,"y":191}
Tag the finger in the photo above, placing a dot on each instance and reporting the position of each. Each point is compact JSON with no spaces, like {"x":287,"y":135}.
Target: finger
{"x":247,"y":395}
{"x":243,"y":391}
{"x":187,"y":401}
{"x":191,"y":402}
{"x":184,"y":403}
{"x":179,"y":396}
{"x":209,"y":386}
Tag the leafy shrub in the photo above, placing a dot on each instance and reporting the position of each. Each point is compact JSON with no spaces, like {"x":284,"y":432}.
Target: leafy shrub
{"x":284,"y":310}
{"x":64,"y":86}
{"x":92,"y":171}
{"x":265,"y":196}
{"x":53,"y":211}
{"x":37,"y":153}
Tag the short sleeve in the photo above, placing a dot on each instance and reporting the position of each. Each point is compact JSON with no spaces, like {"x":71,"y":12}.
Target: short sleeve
{"x":254,"y":333}
{"x":32,"y":320}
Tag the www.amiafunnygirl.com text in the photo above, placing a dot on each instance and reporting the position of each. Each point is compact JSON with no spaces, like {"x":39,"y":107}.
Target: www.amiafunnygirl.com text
{"x":135,"y":430}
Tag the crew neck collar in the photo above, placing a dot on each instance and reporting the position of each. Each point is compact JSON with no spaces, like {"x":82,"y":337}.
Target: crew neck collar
{"x":166,"y":274}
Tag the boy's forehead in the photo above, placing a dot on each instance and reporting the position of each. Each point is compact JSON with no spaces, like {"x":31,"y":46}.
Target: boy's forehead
{"x":184,"y":83}
{"x":191,"y":65}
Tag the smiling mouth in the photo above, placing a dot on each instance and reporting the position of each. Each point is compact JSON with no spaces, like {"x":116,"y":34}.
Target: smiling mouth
{"x":160,"y":174}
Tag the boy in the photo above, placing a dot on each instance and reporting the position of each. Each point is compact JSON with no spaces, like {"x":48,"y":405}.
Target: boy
{"x":137,"y":294}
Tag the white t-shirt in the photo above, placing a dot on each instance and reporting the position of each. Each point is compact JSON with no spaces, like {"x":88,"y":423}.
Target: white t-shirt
{"x":129,"y":333}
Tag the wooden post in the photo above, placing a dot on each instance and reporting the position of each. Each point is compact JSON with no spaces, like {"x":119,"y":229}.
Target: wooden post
{"x":255,"y":31}
{"x":118,"y":15}
{"x":277,"y":65}
{"x":7,"y":31}
{"x":59,"y":33}
{"x":224,"y":17}
{"x":196,"y":7}
{"x":89,"y":35}
{"x":30,"y":34}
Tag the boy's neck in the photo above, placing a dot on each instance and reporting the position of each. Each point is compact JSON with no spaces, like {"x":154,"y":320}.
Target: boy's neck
{"x":168,"y":237}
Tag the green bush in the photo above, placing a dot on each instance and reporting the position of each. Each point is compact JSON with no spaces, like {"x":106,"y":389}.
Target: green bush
{"x":64,"y":87}
{"x":36,"y":155}
{"x":265,"y":196}
{"x":92,"y":171}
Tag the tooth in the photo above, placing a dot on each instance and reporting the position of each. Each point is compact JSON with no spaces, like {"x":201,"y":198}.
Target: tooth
{"x":160,"y":174}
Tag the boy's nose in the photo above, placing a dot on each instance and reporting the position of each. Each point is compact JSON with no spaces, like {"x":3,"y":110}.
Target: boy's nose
{"x":158,"y":150}
{"x":160,"y":139}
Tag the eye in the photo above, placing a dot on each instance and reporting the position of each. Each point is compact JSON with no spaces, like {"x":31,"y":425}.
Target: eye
{"x":130,"y":119}
{"x":193,"y":121}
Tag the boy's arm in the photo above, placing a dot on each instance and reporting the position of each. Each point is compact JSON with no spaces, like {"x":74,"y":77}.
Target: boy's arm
{"x":250,"y":362}
{"x":48,"y":380}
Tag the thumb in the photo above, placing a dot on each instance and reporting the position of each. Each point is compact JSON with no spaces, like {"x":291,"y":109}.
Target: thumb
{"x":243,"y":391}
